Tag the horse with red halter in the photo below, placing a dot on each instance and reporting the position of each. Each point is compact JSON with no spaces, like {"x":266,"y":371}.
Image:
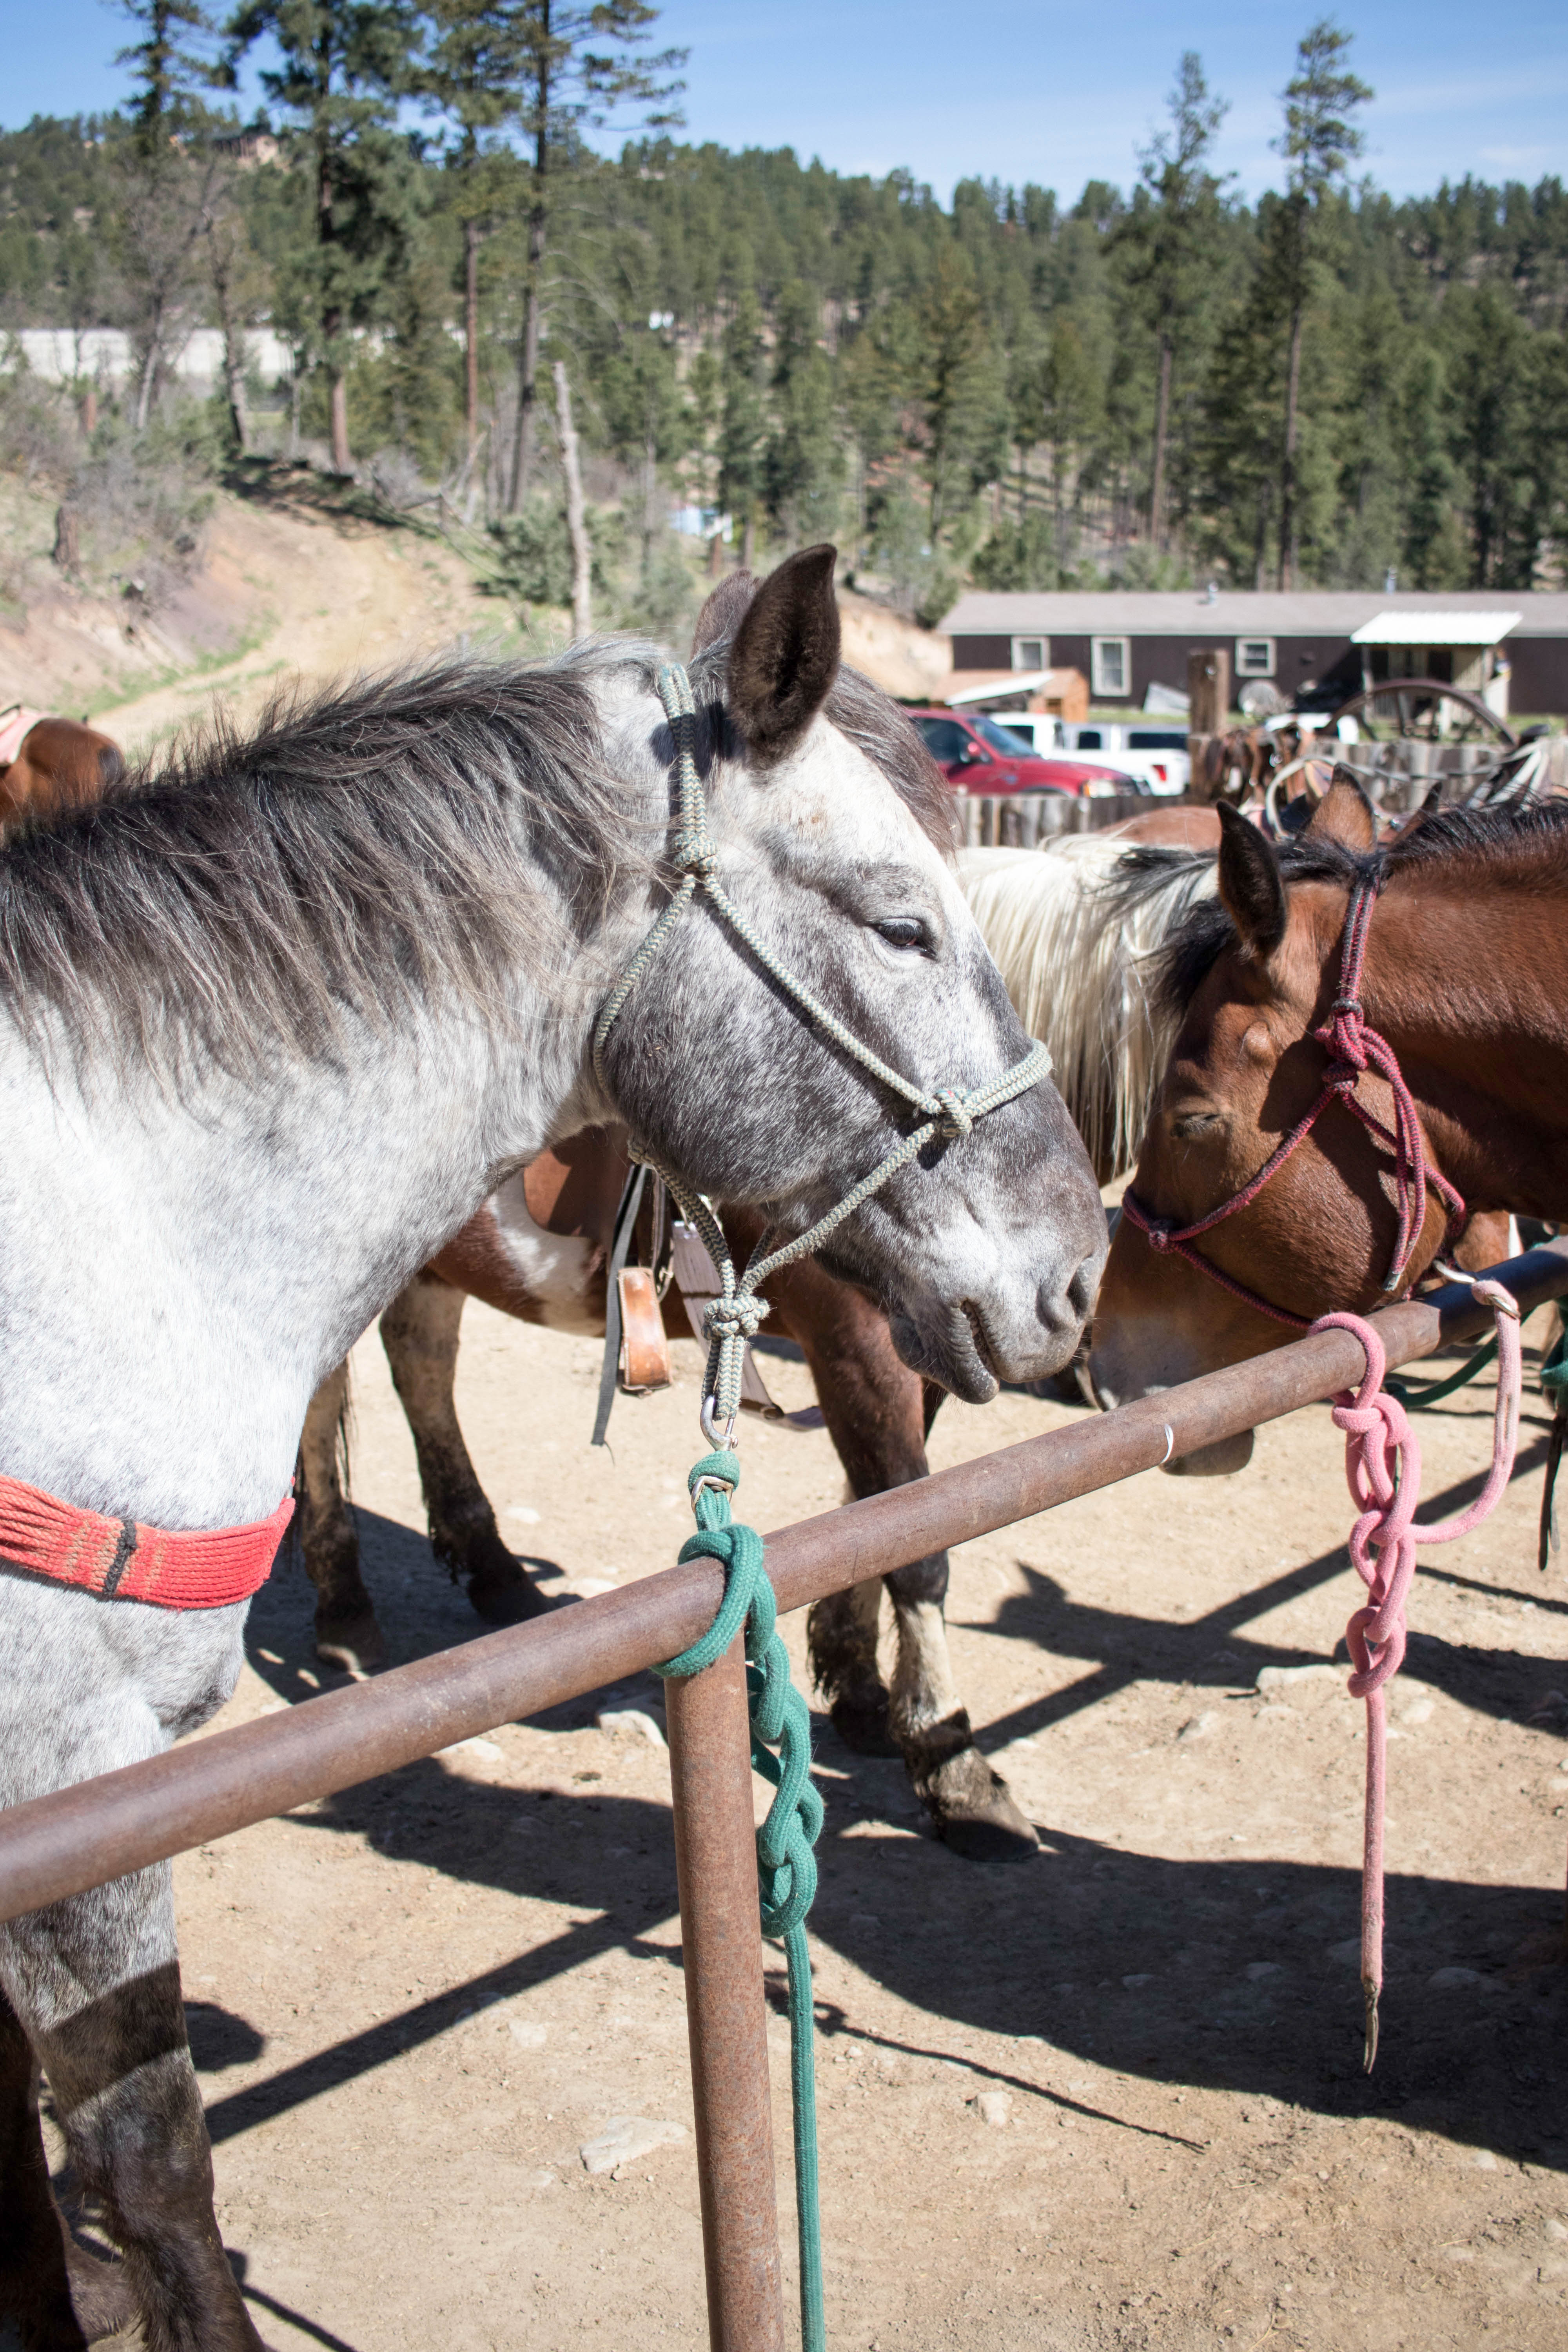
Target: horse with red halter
{"x":1372,"y":1053}
{"x":48,"y":763}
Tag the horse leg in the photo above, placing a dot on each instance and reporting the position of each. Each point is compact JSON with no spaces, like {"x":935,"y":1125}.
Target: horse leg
{"x":113,"y":2047}
{"x":878,"y":1414}
{"x":419,"y":1332}
{"x":347,"y":1634}
{"x":841,"y":1638}
{"x":59,"y":2296}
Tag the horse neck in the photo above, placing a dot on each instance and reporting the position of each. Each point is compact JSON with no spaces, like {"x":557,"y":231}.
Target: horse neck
{"x":229,"y":1246}
{"x":1466,"y":976}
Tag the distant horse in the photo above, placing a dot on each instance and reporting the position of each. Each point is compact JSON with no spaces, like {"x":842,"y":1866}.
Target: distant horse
{"x":281,"y":1020}
{"x":1466,"y":978}
{"x":47,"y":764}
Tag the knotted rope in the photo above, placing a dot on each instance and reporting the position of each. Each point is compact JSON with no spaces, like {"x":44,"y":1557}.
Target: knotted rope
{"x":1383,"y":1468}
{"x":786,"y":1866}
{"x":947,"y":1113}
{"x":1356,"y":1048}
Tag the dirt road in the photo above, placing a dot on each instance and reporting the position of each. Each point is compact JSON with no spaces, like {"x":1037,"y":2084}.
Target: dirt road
{"x":1112,"y":2098}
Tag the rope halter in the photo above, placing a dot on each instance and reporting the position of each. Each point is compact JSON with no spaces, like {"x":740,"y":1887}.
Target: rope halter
{"x":1356,"y":1048}
{"x":946,"y":1115}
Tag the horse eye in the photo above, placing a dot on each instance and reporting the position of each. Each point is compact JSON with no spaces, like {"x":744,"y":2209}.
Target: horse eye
{"x":1193,"y":1123}
{"x":903,"y":931}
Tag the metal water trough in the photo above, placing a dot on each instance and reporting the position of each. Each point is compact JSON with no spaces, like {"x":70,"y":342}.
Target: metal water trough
{"x":59,"y":1845}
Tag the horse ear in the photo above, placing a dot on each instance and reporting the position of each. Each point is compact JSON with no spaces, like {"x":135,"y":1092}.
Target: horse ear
{"x":1250,"y":883}
{"x":1344,"y":814}
{"x":723,"y":613}
{"x":785,"y":658}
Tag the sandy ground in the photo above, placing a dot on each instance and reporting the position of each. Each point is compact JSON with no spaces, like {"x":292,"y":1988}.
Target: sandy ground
{"x":413,"y":2004}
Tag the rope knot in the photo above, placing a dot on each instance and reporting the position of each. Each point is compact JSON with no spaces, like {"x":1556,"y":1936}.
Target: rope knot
{"x":740,"y":1318}
{"x":696,"y":853}
{"x":954,"y":1117}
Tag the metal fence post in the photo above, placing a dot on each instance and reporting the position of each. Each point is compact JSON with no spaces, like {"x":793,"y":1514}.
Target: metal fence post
{"x":722,"y":1951}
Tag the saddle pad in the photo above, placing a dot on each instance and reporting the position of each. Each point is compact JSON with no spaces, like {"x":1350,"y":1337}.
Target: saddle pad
{"x":123,"y":1560}
{"x":15,"y":724}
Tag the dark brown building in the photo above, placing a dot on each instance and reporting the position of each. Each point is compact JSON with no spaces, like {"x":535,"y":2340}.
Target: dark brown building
{"x":1317,"y":647}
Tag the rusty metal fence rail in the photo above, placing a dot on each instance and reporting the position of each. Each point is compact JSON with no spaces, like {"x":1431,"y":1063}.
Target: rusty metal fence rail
{"x":59,"y":1845}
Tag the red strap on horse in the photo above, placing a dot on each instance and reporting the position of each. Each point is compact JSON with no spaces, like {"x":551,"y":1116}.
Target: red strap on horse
{"x":123,"y":1560}
{"x":1355,"y":1046}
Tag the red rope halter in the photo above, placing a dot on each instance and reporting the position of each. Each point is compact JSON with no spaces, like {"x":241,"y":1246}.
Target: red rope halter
{"x":1356,"y":1048}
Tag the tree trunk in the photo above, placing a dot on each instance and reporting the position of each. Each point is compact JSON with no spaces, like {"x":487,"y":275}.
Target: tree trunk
{"x":649,"y":499}
{"x":1287,"y":522}
{"x":528,"y":356}
{"x":471,"y":333}
{"x":90,"y":410}
{"x":342,"y":457}
{"x":233,"y":355}
{"x":148,"y":376}
{"x":1161,"y":429}
{"x":68,"y":538}
{"x":576,"y":520}
{"x":749,"y":544}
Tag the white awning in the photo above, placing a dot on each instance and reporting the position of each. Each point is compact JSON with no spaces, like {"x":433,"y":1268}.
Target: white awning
{"x":1436,"y":628}
{"x":1014,"y":681}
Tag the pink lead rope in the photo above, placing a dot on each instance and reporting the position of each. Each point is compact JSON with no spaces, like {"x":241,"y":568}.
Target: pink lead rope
{"x":1383,"y":1466}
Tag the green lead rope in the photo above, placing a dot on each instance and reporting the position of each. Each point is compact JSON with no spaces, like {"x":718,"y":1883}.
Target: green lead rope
{"x":786,"y":1866}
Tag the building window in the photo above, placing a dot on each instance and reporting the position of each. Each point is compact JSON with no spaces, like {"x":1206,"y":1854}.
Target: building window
{"x":1112,"y":668}
{"x":1031,"y":653}
{"x":1255,"y":656}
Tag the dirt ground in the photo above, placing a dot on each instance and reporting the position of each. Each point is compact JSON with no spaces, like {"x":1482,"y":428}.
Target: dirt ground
{"x":1110,"y":2098}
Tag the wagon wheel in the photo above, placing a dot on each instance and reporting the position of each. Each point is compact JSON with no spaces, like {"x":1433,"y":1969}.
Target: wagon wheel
{"x":1424,"y":710}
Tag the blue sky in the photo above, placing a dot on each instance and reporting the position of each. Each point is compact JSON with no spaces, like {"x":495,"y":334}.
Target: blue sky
{"x":1021,"y":89}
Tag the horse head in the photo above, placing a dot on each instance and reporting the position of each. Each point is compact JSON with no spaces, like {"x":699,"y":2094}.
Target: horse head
{"x":831,"y":834}
{"x":1251,"y":980}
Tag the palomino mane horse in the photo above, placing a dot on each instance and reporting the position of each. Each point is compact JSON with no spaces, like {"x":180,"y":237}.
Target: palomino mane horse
{"x":279,"y":1023}
{"x":48,"y":763}
{"x":1465,"y":977}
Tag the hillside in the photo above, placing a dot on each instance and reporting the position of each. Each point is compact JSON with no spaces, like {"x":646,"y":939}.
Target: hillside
{"x":291,"y":581}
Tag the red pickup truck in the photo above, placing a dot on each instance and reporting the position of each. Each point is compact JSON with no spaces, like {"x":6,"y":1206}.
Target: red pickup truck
{"x":981,"y":754}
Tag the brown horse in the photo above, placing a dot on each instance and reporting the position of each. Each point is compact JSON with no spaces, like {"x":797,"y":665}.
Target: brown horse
{"x":539,"y":1250}
{"x":48,"y":765}
{"x":1466,"y":978}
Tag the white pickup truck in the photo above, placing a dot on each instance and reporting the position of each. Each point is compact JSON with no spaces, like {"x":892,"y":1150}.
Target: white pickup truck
{"x":1157,"y":753}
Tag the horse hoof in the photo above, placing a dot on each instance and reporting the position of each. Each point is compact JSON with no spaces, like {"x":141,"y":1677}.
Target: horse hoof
{"x":356,"y":1645}
{"x":862,"y":1725}
{"x":999,"y":1834}
{"x":506,"y":1599}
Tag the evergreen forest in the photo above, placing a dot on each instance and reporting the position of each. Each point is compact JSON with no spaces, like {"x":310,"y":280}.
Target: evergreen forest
{"x":1147,"y":384}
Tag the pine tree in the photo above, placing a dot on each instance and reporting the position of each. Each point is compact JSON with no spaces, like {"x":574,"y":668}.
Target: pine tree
{"x":578,"y":65}
{"x":1171,"y":238}
{"x":1318,"y":143}
{"x":343,"y":64}
{"x":472,"y":74}
{"x":171,"y":62}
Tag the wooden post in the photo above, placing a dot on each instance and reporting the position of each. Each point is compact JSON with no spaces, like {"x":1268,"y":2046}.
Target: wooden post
{"x":1208,"y":711}
{"x":722,"y":1953}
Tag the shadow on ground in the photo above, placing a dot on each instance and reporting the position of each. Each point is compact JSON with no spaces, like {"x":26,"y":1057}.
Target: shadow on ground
{"x":1218,"y":1971}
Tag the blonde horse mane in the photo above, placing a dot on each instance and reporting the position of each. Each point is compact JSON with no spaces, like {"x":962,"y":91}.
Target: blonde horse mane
{"x":1076,"y":932}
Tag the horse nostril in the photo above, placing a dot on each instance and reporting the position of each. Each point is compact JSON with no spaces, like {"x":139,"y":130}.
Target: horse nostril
{"x":1083,"y":1286}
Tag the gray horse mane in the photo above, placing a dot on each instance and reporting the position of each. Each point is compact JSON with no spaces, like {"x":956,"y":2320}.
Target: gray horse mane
{"x":353,"y":855}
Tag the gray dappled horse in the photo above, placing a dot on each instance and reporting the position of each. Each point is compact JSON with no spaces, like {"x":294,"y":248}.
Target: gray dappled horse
{"x":281,"y":1020}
